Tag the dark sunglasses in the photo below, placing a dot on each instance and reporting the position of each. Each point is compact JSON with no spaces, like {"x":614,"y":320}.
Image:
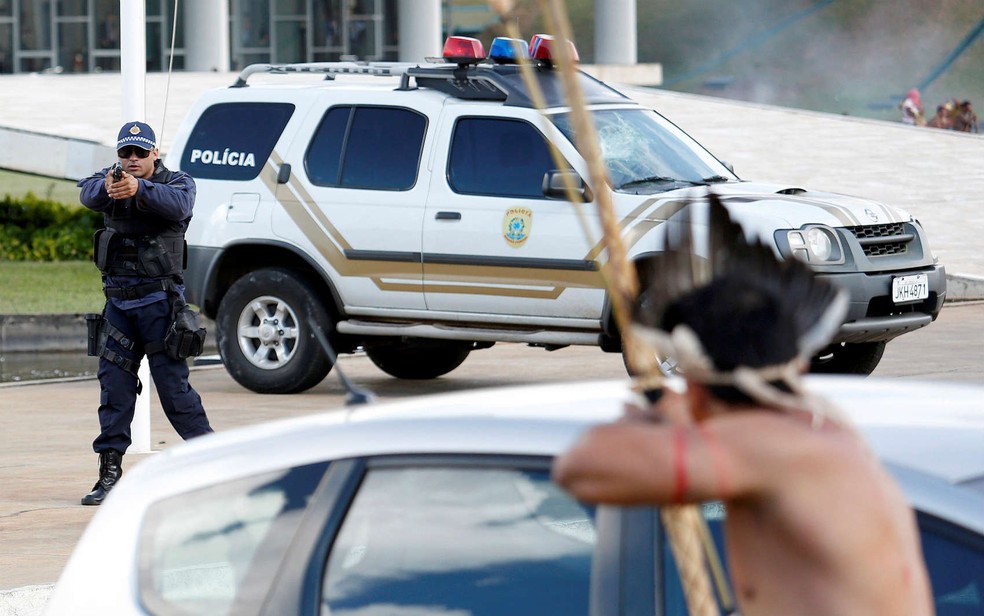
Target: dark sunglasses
{"x":128,"y":151}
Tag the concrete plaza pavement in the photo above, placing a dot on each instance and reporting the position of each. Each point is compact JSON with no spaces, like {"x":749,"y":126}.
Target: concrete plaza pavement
{"x":46,"y":428}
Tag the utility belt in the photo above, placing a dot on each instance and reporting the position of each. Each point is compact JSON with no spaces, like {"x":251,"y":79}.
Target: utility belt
{"x":146,"y":256}
{"x":184,"y":338}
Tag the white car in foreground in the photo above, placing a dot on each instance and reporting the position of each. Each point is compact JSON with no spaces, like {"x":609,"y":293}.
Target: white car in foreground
{"x":444,"y":505}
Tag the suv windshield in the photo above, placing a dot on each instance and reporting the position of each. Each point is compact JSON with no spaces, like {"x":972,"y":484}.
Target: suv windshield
{"x":646,"y":154}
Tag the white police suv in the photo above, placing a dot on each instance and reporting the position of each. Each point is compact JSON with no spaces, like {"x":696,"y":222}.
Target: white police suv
{"x":416,"y":212}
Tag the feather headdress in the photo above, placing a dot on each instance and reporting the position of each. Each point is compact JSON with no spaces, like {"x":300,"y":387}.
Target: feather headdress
{"x":729,"y":312}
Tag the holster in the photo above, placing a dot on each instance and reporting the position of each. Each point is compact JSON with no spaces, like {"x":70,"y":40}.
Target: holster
{"x":99,"y":330}
{"x":95,"y":340}
{"x":185,"y":337}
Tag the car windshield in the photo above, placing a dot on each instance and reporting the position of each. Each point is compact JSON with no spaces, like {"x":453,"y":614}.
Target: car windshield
{"x":644,"y":153}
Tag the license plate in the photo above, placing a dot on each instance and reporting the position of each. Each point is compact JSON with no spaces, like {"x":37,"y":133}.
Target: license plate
{"x":910,"y":288}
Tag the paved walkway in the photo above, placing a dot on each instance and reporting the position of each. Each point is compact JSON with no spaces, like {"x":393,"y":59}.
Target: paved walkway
{"x":46,"y":428}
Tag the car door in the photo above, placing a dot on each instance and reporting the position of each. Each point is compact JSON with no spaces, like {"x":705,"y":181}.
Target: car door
{"x":355,"y":197}
{"x":493,"y":245}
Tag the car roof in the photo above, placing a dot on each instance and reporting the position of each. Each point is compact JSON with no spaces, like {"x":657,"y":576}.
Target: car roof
{"x":930,"y":428}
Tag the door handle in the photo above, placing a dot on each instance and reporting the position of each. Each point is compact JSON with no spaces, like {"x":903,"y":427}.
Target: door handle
{"x":448,"y":216}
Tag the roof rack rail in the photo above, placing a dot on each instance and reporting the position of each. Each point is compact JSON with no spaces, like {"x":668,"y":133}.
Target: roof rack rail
{"x":329,"y":69}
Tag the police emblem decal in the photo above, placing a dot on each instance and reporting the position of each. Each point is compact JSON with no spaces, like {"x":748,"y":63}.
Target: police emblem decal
{"x":134,"y":130}
{"x":516,"y":225}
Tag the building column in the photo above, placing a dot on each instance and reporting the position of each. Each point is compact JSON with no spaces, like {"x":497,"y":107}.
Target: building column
{"x":206,"y":24}
{"x":615,"y":32}
{"x":419,"y":29}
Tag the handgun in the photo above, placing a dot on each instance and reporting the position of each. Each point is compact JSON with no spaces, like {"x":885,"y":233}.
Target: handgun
{"x":117,"y":172}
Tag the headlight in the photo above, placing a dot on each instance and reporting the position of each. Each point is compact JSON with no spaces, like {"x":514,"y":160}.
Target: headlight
{"x":817,"y":245}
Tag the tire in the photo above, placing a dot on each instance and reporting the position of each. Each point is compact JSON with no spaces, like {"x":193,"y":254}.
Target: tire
{"x":845,"y":358}
{"x":417,"y":358}
{"x":273,"y":309}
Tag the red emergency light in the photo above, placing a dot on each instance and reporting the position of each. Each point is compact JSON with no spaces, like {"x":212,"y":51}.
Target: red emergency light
{"x":542,"y":48}
{"x":463,"y":50}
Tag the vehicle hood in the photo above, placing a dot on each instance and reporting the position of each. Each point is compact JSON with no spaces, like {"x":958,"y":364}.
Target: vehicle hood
{"x":778,"y":206}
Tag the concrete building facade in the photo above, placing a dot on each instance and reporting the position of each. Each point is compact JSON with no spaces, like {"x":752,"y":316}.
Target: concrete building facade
{"x":83,"y":36}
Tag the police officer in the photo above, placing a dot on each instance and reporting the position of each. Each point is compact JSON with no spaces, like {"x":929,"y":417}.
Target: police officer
{"x":140,"y":252}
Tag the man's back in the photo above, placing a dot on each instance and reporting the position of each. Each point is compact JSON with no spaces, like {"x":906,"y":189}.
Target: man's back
{"x":819,"y":527}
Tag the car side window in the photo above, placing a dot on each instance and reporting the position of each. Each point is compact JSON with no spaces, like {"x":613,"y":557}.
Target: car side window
{"x":498,"y":157}
{"x":214,"y":550}
{"x":460,"y":540}
{"x":367,"y":147}
{"x":232,"y":141}
{"x":955,"y":561}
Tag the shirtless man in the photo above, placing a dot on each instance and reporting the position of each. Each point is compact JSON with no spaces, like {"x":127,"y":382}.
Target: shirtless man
{"x":815,"y":526}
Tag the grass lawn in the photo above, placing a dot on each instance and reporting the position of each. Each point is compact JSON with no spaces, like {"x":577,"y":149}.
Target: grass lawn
{"x":32,"y":287}
{"x":64,"y":287}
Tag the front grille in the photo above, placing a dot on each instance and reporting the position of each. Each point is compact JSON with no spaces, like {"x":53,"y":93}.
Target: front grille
{"x":883,"y":240}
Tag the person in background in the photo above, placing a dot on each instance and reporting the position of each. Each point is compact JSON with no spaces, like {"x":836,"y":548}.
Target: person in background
{"x":742,"y":327}
{"x":965,"y":119}
{"x":140,"y":253}
{"x":912,"y":109}
{"x":941,"y":119}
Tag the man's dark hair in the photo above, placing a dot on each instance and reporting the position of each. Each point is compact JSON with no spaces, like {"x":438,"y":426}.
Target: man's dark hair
{"x":737,"y":323}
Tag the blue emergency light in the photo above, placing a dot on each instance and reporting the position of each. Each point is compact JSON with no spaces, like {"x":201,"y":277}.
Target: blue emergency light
{"x":506,"y":50}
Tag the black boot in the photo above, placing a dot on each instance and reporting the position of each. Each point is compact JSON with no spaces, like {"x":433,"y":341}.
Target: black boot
{"x":110,"y":471}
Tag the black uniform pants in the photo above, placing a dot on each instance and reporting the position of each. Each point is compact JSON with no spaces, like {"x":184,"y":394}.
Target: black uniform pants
{"x":118,"y":388}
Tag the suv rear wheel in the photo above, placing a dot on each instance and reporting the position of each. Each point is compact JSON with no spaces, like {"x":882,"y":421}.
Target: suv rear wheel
{"x":265,"y":332}
{"x":845,"y":358}
{"x":417,"y":358}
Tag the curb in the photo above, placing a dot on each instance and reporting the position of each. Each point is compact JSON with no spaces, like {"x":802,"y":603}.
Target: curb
{"x":961,"y":288}
{"x":58,"y":333}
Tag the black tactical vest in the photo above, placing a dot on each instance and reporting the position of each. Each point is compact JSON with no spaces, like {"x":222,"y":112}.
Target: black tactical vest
{"x":139,"y":243}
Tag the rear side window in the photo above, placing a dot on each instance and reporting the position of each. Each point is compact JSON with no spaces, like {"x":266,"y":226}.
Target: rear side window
{"x":505,"y":158}
{"x":367,"y":147}
{"x":208,"y":551}
{"x":232,"y":141}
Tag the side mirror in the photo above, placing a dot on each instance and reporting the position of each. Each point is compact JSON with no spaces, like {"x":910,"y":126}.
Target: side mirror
{"x":555,"y":184}
{"x":730,"y":167}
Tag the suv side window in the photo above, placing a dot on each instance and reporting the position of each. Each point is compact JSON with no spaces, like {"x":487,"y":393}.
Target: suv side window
{"x":498,"y":157}
{"x":367,"y":147}
{"x":232,"y":141}
{"x":479,"y":540}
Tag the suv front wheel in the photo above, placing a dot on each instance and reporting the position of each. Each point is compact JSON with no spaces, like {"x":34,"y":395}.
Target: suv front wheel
{"x":265,"y":332}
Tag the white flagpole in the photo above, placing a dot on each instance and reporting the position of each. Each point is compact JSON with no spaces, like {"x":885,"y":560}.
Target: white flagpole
{"x":133,"y":70}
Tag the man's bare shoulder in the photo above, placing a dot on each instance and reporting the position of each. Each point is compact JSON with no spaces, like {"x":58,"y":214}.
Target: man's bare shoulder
{"x":766,"y":440}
